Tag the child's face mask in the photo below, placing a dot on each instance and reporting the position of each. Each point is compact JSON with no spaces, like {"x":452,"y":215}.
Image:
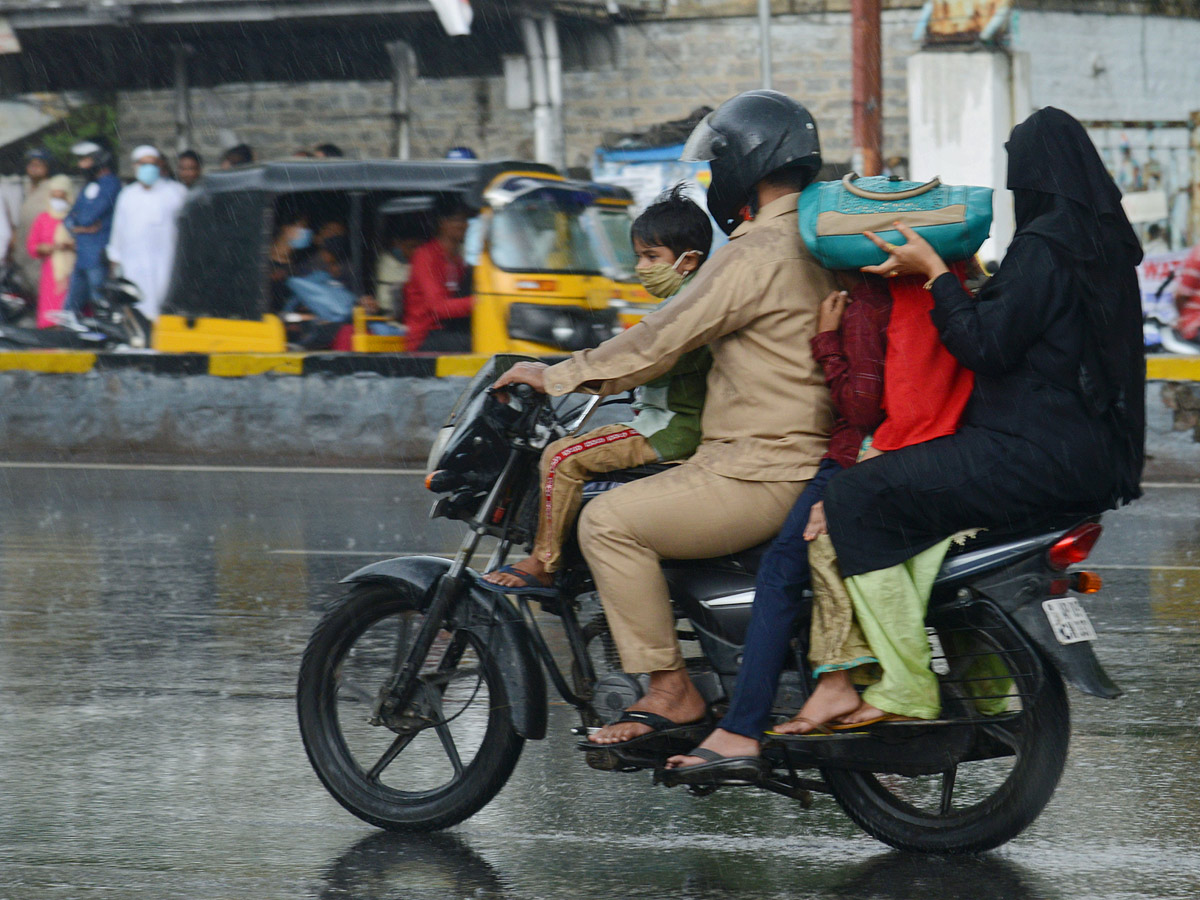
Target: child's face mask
{"x":662,"y":280}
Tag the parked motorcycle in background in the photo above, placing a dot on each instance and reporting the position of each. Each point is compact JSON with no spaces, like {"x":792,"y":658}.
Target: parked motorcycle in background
{"x":418,"y":662}
{"x":16,"y":300}
{"x":115,"y":324}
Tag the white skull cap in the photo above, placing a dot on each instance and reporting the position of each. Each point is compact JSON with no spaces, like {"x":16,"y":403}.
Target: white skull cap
{"x":144,"y":150}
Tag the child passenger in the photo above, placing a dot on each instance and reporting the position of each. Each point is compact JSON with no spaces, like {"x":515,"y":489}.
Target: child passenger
{"x":671,"y":240}
{"x":892,"y":383}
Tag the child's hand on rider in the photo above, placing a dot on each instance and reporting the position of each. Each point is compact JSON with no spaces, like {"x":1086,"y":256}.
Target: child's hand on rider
{"x":914,"y":257}
{"x":816,"y":522}
{"x":829,"y":317}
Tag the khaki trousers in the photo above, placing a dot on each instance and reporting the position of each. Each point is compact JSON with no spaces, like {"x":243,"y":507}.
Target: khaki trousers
{"x":566,"y":467}
{"x":685,"y":513}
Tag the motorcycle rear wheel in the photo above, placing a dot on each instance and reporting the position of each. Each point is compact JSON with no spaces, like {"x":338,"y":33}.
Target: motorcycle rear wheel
{"x":457,"y":739}
{"x":915,"y":815}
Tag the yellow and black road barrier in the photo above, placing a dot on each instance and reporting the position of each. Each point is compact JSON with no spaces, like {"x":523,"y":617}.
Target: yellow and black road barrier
{"x":241,"y":365}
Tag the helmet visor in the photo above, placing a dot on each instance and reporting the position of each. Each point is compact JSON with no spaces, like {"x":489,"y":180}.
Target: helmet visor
{"x":704,"y":143}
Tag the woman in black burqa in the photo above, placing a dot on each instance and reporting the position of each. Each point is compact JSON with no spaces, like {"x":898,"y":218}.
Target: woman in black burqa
{"x":1055,"y":425}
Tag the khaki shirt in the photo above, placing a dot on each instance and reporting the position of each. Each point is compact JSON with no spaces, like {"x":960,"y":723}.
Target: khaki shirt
{"x":767,"y":414}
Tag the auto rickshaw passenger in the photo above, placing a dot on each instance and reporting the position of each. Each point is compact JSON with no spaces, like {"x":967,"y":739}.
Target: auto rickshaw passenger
{"x":436,"y":312}
{"x":391,"y":275}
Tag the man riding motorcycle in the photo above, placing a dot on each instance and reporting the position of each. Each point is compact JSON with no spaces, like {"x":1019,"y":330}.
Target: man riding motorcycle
{"x":767,"y":416}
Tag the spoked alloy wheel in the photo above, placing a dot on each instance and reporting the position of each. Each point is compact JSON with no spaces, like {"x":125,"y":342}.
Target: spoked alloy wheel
{"x":419,"y":769}
{"x":981,"y":803}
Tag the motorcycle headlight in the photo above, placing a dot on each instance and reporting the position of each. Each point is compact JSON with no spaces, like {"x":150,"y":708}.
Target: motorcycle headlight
{"x":561,"y":327}
{"x":438,"y":448}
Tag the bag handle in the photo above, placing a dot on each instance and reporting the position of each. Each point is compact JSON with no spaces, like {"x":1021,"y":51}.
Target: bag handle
{"x":848,"y":184}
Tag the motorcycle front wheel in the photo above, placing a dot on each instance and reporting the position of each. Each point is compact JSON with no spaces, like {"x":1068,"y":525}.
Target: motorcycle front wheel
{"x":979,"y":804}
{"x":424,"y":768}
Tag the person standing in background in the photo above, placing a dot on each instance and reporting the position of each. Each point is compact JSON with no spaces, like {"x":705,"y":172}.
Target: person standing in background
{"x":143,"y":229}
{"x":51,"y":246}
{"x":237,"y":155}
{"x":37,"y":192}
{"x":190,"y":168}
{"x":90,"y":222}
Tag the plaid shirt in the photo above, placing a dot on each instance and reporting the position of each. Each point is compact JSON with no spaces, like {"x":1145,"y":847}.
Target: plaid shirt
{"x":853,"y":359}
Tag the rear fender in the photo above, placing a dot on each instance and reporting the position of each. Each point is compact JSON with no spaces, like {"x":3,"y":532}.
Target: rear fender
{"x":1019,"y":592}
{"x":493,"y":619}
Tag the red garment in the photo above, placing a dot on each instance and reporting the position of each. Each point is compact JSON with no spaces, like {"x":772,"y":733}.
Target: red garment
{"x":926,"y":388}
{"x":431,"y":294}
{"x":1187,"y":296}
{"x":853,"y":362}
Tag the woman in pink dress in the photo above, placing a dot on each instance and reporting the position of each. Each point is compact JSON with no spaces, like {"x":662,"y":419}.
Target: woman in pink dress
{"x":50,"y":242}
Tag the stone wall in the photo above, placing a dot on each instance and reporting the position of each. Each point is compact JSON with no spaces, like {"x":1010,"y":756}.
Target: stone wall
{"x":659,"y":70}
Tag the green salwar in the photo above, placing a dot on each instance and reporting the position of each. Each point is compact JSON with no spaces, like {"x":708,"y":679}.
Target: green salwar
{"x":890,"y":606}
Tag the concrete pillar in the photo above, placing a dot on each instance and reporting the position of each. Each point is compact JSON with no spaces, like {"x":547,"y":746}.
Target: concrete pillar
{"x":1194,"y":154}
{"x":403,"y":66}
{"x":962,"y":104}
{"x":183,"y":99}
{"x":543,"y":127}
{"x":554,"y":91}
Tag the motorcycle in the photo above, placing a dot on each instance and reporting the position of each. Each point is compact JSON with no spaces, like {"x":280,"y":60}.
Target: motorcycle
{"x":417,"y":660}
{"x":15,"y":299}
{"x":115,"y":323}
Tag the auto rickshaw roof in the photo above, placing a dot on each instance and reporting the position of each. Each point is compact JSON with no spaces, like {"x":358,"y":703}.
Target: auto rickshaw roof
{"x":468,"y":177}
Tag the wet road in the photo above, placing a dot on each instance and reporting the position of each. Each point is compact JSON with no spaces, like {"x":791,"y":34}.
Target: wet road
{"x":151,"y":623}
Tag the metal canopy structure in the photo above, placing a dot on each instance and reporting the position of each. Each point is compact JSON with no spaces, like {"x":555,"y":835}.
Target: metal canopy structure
{"x":132,"y":44}
{"x":32,"y":14}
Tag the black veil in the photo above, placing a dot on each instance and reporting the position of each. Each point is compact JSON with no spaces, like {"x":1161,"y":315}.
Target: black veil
{"x":1064,"y":195}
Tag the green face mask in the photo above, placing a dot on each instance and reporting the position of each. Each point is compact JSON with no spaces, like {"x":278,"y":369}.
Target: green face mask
{"x":663,"y":280}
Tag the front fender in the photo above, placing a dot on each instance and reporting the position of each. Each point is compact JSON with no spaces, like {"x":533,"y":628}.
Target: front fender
{"x":493,"y":619}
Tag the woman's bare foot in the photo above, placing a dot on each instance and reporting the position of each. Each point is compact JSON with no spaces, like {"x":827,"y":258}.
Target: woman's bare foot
{"x":832,"y":700}
{"x":727,"y":743}
{"x":816,"y":522}
{"x":865,"y":713}
{"x":671,"y":695}
{"x":530,"y":566}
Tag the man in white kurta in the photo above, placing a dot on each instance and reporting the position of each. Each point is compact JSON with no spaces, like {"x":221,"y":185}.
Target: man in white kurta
{"x":143,"y":230}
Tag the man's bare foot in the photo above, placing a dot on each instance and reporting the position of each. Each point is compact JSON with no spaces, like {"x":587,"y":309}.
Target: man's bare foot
{"x":832,"y":700}
{"x":530,"y":566}
{"x":671,"y":695}
{"x":727,"y":743}
{"x":816,"y":522}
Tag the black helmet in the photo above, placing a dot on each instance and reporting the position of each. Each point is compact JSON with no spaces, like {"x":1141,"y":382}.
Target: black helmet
{"x":747,"y":138}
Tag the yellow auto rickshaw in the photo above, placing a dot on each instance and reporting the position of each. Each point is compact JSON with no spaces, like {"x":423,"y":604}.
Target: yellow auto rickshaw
{"x":536,"y":265}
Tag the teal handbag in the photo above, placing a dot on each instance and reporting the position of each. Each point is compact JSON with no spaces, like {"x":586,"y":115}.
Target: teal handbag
{"x":955,"y":219}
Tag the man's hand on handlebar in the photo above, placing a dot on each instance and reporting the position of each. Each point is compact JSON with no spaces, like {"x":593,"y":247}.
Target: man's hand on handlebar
{"x":530,"y":373}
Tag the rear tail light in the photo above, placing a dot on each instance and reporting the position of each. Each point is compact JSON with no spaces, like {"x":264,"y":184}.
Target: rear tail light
{"x":1074,"y":546}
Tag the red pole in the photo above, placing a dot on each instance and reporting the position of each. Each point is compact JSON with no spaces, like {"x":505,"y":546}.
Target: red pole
{"x":867,"y":53}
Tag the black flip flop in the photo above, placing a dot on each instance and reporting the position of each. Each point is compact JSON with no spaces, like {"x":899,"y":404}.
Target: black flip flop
{"x":718,"y":770}
{"x":661,"y":729}
{"x":532,"y":585}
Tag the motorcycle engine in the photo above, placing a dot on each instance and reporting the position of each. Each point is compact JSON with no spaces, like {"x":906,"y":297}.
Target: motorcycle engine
{"x":616,"y":692}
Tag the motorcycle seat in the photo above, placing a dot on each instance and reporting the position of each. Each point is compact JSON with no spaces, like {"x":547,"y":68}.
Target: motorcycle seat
{"x":610,"y":480}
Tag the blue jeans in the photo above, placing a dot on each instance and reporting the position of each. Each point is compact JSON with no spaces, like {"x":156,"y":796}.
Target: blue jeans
{"x":782,"y":578}
{"x":84,"y":288}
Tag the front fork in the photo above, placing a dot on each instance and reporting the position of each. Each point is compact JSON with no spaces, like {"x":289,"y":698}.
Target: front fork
{"x":398,"y":692}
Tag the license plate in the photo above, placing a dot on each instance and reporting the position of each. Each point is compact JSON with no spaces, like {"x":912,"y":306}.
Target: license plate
{"x":1069,"y":622}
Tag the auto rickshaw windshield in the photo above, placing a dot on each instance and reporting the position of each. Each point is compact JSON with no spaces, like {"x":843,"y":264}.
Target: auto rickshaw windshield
{"x":613,"y":225}
{"x":543,"y":231}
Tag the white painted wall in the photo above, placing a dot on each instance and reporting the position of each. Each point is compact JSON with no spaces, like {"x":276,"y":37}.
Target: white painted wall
{"x":961,"y":107}
{"x":1111,"y":66}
